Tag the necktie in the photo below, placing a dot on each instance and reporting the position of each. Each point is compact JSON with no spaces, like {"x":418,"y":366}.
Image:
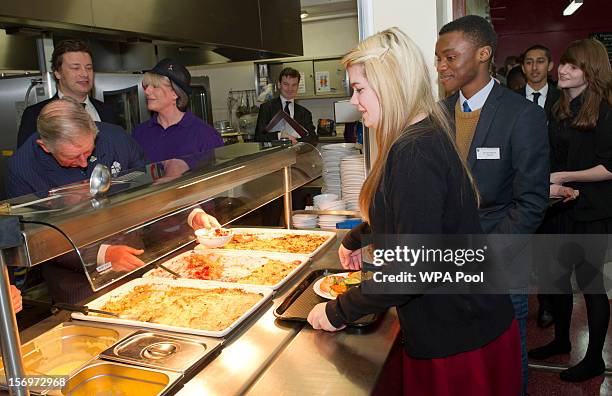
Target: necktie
{"x":84,"y":105}
{"x":287,"y":108}
{"x":466,"y":107}
{"x":536,"y":97}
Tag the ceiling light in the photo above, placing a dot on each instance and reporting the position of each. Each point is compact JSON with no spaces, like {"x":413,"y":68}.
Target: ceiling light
{"x":572,"y":7}
{"x":303,"y":15}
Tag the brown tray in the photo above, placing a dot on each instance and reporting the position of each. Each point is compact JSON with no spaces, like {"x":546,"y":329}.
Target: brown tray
{"x":302,"y":299}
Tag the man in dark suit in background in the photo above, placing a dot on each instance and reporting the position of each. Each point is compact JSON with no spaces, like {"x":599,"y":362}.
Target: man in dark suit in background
{"x":288,"y":83}
{"x":73,"y":72}
{"x":502,"y":137}
{"x":536,"y":66}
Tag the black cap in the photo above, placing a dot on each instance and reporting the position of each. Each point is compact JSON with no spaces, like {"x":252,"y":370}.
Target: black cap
{"x":176,"y":72}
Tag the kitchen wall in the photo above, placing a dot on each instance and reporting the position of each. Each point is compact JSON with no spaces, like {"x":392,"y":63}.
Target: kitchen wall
{"x":321,"y":38}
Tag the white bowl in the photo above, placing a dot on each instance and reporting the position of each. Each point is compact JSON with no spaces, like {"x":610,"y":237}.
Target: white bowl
{"x":211,"y":239}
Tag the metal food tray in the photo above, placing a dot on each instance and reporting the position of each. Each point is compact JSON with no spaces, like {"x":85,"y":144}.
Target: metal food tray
{"x":277,"y":232}
{"x":302,"y":299}
{"x":139,"y":349}
{"x":119,"y":292}
{"x":173,"y":263}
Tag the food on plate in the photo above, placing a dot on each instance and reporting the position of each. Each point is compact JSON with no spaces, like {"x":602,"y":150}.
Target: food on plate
{"x":335,"y":285}
{"x":203,"y":309}
{"x":211,"y":266}
{"x":286,"y":243}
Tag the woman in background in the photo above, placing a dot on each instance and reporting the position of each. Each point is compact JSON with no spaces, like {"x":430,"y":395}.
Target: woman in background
{"x":453,"y":344}
{"x":173,"y":132}
{"x":580,"y":133}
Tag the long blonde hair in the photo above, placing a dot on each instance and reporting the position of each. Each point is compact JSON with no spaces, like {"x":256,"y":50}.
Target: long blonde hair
{"x":396,"y":70}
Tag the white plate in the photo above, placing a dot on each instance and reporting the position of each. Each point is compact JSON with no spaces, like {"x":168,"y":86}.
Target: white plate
{"x":317,"y":286}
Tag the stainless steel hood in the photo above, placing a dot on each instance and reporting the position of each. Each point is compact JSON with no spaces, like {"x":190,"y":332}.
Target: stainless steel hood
{"x":198,"y":31}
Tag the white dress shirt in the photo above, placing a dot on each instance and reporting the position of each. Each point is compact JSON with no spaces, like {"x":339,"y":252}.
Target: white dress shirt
{"x":290,"y":131}
{"x":89,"y":107}
{"x":291,"y":106}
{"x":543,"y":92}
{"x":478,"y":100}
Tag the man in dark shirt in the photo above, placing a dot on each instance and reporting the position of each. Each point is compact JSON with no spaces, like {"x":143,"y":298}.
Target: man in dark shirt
{"x":73,"y":72}
{"x":66,"y":148}
{"x":288,"y":83}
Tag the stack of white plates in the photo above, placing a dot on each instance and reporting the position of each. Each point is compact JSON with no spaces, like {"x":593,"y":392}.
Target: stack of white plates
{"x":329,"y":221}
{"x":305,"y":220}
{"x":332,"y":205}
{"x":332,"y":155}
{"x":352,"y":176}
{"x":323,"y":199}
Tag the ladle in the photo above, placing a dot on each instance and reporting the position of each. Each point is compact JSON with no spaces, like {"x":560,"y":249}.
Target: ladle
{"x":100,"y":180}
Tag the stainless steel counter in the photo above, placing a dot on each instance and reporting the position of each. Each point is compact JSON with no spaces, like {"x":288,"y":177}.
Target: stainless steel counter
{"x":285,"y":358}
{"x":266,"y":355}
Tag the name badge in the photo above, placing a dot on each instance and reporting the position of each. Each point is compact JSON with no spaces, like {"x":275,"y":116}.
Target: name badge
{"x":487,"y":153}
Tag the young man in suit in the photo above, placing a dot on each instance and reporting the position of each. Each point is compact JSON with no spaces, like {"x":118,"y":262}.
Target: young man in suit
{"x":536,"y":66}
{"x":502,"y":137}
{"x":73,"y":72}
{"x":288,"y":83}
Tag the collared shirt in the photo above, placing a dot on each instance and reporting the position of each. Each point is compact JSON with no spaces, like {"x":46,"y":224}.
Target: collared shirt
{"x":89,"y":107}
{"x":290,"y":131}
{"x":291,"y":105}
{"x":188,"y":137}
{"x":32,"y":169}
{"x":543,"y":92}
{"x":478,"y":100}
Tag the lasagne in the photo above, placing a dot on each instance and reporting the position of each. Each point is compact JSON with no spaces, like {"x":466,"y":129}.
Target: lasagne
{"x":247,"y":270}
{"x":204,"y":309}
{"x":286,"y":243}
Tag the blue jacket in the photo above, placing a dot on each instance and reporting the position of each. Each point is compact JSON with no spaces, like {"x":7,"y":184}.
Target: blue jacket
{"x":513,"y":188}
{"x":32,"y":170}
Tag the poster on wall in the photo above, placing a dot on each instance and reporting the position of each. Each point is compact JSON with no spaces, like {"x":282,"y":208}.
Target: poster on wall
{"x":606,"y":40}
{"x":322,"y":81}
{"x":302,"y":86}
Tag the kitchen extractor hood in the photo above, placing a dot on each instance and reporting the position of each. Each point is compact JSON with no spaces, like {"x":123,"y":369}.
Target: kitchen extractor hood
{"x":199,"y":31}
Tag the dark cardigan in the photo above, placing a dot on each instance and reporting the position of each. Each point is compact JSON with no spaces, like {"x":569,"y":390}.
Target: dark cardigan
{"x":425,"y":191}
{"x":574,"y":150}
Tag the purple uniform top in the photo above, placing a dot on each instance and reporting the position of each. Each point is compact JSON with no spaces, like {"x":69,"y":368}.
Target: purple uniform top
{"x":190,"y":136}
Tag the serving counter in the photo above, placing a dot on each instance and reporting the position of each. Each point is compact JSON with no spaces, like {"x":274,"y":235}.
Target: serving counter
{"x":262,"y":353}
{"x":267,"y":355}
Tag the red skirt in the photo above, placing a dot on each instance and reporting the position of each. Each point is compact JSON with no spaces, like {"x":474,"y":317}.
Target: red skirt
{"x":494,"y":369}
